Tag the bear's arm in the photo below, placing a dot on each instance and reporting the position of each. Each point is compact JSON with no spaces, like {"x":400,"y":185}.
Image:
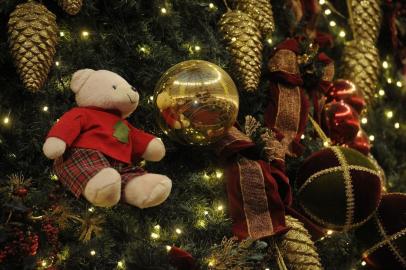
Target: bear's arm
{"x":68,"y":127}
{"x":146,"y":146}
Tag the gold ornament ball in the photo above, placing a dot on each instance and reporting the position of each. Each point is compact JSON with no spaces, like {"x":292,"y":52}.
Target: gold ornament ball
{"x":196,"y":102}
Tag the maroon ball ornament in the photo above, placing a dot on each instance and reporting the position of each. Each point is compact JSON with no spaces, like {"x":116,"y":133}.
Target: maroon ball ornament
{"x":340,"y":122}
{"x":338,"y":188}
{"x":383,"y":237}
{"x":346,"y":91}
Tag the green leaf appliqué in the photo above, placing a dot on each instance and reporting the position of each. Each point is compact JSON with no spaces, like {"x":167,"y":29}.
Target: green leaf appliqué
{"x":121,"y":131}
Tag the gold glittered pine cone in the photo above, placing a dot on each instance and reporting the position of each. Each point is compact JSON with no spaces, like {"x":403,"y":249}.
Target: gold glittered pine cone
{"x":32,"y":32}
{"x":297,"y":248}
{"x":261,"y":12}
{"x":72,"y":7}
{"x":366,"y":19}
{"x":361,"y":65}
{"x":243,"y":42}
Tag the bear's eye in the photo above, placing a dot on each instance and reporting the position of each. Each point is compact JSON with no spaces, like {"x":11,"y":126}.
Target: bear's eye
{"x":114,"y":87}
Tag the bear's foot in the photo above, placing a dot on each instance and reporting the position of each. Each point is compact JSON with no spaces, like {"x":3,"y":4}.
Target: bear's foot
{"x":104,"y":189}
{"x":147,"y":190}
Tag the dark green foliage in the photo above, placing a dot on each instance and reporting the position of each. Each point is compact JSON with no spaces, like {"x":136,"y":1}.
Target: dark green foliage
{"x":135,"y":40}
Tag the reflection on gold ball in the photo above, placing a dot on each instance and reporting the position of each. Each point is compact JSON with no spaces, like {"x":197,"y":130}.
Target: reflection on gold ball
{"x":196,"y":101}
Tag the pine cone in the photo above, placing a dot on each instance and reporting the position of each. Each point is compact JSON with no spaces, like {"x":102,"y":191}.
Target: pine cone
{"x":298,"y":249}
{"x":366,"y":19}
{"x":72,"y":7}
{"x":261,"y":12}
{"x":32,"y":34}
{"x":243,"y":41}
{"x":361,"y":65}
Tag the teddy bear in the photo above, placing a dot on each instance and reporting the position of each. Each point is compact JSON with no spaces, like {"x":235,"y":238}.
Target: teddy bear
{"x":95,"y":149}
{"x":170,"y":111}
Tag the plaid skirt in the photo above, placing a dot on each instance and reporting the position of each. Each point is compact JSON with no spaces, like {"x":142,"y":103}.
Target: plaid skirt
{"x":78,"y":165}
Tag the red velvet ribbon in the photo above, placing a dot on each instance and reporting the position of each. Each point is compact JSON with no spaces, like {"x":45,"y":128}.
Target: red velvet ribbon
{"x":258,"y":191}
{"x":285,"y":71}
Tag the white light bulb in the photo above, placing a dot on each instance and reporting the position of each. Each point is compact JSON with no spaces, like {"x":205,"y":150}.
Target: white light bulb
{"x":206,"y":212}
{"x":381,"y":92}
{"x":371,"y":138}
{"x":219,"y":174}
{"x":399,"y":84}
{"x":322,"y":2}
{"x":92,"y":252}
{"x":389,"y":114}
{"x":197,"y":48}
{"x":57,"y":63}
{"x":220,"y":207}
{"x":326,"y":144}
{"x":364,"y":120}
{"x":327,"y":12}
{"x":44,"y":263}
{"x":85,"y":33}
{"x":389,"y":80}
{"x":168,"y":248}
{"x":302,"y":137}
{"x":45,"y":108}
{"x":61,"y":34}
{"x":329,"y":232}
{"x":163,"y":10}
{"x":342,"y":33}
{"x":154,"y":235}
{"x":120,"y":264}
{"x":363,"y":263}
{"x":157,"y":227}
{"x":397,"y":125}
{"x":91,"y":209}
{"x":269,"y":40}
{"x":333,"y":23}
{"x":211,"y":5}
{"x":6,"y":120}
{"x":385,"y":64}
{"x":178,"y":231}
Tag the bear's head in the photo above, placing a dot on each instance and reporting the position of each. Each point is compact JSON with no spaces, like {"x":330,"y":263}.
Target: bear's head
{"x":104,"y":89}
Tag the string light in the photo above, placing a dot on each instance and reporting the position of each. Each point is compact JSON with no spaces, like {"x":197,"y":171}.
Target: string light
{"x":157,"y":227}
{"x":168,"y":248}
{"x":211,"y":5}
{"x":85,"y":34}
{"x":197,"y":48}
{"x":389,"y":80}
{"x":233,"y":39}
{"x":399,"y":84}
{"x":364,"y":120}
{"x":206,"y":212}
{"x":381,"y":92}
{"x":342,"y":33}
{"x":154,"y":235}
{"x":322,"y":2}
{"x":363,"y":263}
{"x":302,"y":137}
{"x":45,"y":108}
{"x":61,"y":34}
{"x":385,"y":64}
{"x":333,"y":23}
{"x":120,"y":264}
{"x":269,"y":40}
{"x":326,"y":144}
{"x":389,"y":114}
{"x":220,"y":207}
{"x":397,"y":125}
{"x":267,"y":269}
{"x":212,"y":262}
{"x":57,"y":63}
{"x":327,"y":12}
{"x":163,"y":10}
{"x":330,"y":232}
{"x":92,"y":252}
{"x":219,"y":174}
{"x":91,"y":209}
{"x":178,"y":231}
{"x":44,"y":263}
{"x":6,"y":120}
{"x":54,"y":177}
{"x":205,"y":176}
{"x":371,"y":138}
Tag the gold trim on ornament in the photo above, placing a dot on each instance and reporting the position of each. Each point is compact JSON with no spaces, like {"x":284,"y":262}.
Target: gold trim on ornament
{"x":387,"y":240}
{"x":349,"y":192}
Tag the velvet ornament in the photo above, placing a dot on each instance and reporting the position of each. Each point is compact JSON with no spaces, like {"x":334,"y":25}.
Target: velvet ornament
{"x":338,"y":188}
{"x":340,"y":122}
{"x":383,"y":237}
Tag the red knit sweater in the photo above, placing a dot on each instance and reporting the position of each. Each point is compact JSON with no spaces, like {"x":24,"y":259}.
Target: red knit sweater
{"x":92,"y":127}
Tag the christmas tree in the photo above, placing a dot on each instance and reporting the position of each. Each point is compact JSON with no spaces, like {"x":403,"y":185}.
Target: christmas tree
{"x":321,"y":86}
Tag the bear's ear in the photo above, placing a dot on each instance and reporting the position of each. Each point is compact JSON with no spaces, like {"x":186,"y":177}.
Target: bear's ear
{"x":79,"y":78}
